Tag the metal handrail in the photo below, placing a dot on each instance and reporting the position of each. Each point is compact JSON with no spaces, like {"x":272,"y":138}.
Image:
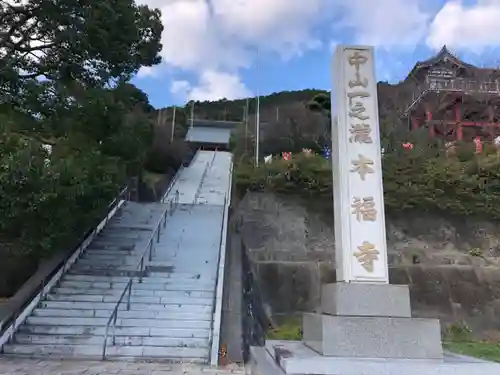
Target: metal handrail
{"x":174,"y":202}
{"x":201,"y":180}
{"x":173,"y":182}
{"x":217,"y":280}
{"x":140,"y":266}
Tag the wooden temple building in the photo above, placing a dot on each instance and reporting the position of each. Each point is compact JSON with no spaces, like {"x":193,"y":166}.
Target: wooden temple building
{"x":454,"y":100}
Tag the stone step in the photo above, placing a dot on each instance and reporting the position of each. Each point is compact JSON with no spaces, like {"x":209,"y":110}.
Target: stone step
{"x":106,"y":254}
{"x":132,"y":259}
{"x":122,"y":240}
{"x":119,"y":234}
{"x":100,"y":263}
{"x":122,"y":322}
{"x":179,"y":300}
{"x":96,"y":268}
{"x":135,"y":224}
{"x":76,"y":330}
{"x":196,"y":275}
{"x":179,"y":254}
{"x":184,"y":285}
{"x":109,"y":306}
{"x":47,"y":339}
{"x":95,"y":351}
{"x":107,"y":273}
{"x":111,"y":245}
{"x":132,"y":314}
{"x":136,"y":292}
{"x":150,"y":279}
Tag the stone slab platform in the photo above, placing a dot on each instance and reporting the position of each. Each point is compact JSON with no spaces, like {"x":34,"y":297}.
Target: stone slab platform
{"x":294,"y":358}
{"x":372,"y":337}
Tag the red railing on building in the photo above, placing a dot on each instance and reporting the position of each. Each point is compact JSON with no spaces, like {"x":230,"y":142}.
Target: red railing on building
{"x":463,"y":85}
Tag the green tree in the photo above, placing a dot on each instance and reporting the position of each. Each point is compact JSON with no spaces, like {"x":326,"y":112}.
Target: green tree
{"x":77,"y":39}
{"x":64,"y":70}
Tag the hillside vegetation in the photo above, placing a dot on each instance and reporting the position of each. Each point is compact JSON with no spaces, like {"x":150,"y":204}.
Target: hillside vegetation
{"x":424,"y":179}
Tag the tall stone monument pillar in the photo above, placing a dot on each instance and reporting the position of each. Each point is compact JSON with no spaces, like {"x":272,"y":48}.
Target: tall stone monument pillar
{"x":362,"y":315}
{"x":361,"y":251}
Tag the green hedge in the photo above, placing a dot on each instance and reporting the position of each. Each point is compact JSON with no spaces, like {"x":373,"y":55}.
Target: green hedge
{"x":465,"y":185}
{"x":48,"y":203}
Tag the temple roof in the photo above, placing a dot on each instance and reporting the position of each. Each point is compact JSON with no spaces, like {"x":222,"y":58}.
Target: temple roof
{"x":445,"y":56}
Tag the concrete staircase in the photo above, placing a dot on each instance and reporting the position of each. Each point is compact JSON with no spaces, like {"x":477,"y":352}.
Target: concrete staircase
{"x":169,"y":316}
{"x":175,"y":302}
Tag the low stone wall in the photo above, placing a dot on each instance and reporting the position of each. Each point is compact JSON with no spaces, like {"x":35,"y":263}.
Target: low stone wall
{"x":451,"y":265}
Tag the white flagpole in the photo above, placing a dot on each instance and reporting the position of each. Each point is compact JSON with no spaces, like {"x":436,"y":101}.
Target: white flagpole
{"x":173,"y":126}
{"x":246,"y":124}
{"x":192,"y":113}
{"x":257,"y":130}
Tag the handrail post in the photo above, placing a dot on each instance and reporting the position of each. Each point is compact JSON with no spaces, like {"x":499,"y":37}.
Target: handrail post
{"x":158,"y":236}
{"x":142,"y":267}
{"x":129,"y":293}
{"x":105,"y":343}
{"x":114,"y":326}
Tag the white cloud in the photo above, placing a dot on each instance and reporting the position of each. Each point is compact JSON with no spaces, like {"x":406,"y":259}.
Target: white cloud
{"x":225,"y":33}
{"x":212,"y":85}
{"x":281,"y":26}
{"x":216,"y":39}
{"x":384,"y":23}
{"x":474,"y":27}
{"x":147,"y":71}
{"x":180,"y":88}
{"x":204,"y":36}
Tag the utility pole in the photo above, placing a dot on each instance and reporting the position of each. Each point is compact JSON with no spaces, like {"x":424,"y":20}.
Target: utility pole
{"x":245,"y":116}
{"x":159,"y":117}
{"x":277,"y":114}
{"x":257,"y":118}
{"x":173,"y":125}
{"x":192,"y":113}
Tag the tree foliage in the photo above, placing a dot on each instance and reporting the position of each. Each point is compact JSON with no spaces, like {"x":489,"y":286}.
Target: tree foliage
{"x":77,"y":39}
{"x":64,"y":71}
{"x":423,"y":179}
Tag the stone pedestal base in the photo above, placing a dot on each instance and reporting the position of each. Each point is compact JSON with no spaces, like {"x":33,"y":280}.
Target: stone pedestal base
{"x":370,"y":321}
{"x":350,"y":299}
{"x":373,"y":337}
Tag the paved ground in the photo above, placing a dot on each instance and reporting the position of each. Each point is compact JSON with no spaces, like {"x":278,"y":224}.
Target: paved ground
{"x":18,"y":366}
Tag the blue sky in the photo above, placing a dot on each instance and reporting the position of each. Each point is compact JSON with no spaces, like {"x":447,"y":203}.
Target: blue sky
{"x":236,"y":48}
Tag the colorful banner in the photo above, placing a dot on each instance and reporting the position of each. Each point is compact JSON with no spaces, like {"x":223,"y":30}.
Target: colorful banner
{"x":327,"y":152}
{"x":408,"y":146}
{"x":479,"y":145}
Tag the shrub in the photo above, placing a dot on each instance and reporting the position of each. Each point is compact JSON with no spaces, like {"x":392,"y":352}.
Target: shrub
{"x":458,"y":332}
{"x":47,"y":207}
{"x":163,"y":158}
{"x":412,"y":181}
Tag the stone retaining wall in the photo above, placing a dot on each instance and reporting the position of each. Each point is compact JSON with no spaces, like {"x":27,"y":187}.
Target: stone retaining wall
{"x":451,"y":265}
